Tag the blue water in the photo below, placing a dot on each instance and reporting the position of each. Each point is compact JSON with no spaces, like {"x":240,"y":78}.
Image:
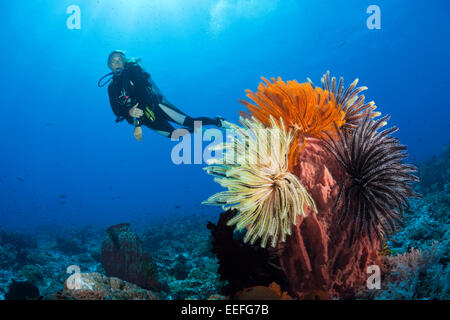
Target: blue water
{"x":64,"y":161}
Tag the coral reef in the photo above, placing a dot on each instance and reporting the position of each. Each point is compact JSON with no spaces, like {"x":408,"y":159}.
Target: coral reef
{"x":18,"y":240}
{"x":354,"y":187}
{"x":15,"y":249}
{"x":435,"y":172}
{"x":69,"y":246}
{"x":352,"y":171}
{"x":124,"y":256}
{"x":32,"y":273}
{"x":167,"y":239}
{"x":180,"y":271}
{"x":184,"y":250}
{"x":419,"y":266}
{"x":41,"y":262}
{"x":420,"y":274}
{"x":416,"y":274}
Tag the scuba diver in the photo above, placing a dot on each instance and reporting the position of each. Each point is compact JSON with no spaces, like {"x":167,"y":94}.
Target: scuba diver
{"x":134,"y":97}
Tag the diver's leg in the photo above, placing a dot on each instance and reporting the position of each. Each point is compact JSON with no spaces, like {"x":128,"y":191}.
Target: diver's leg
{"x":162,"y":127}
{"x":174,"y":115}
{"x":185,"y":120}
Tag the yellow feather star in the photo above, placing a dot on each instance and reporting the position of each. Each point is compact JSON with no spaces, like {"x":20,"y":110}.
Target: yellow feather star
{"x":254,"y":169}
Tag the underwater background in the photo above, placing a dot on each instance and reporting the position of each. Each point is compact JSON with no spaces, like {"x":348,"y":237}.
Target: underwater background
{"x":68,"y":171}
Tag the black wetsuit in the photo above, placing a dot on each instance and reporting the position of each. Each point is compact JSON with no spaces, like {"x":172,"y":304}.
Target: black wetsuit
{"x":134,"y":85}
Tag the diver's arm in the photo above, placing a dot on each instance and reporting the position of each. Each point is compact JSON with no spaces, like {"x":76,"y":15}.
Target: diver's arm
{"x":130,"y":115}
{"x":120,"y":113}
{"x":134,"y":111}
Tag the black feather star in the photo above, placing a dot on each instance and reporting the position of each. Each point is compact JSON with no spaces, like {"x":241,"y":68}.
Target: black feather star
{"x":378,"y":184}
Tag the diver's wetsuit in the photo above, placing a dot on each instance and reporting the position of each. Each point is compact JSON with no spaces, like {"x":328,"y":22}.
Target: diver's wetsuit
{"x":134,"y":85}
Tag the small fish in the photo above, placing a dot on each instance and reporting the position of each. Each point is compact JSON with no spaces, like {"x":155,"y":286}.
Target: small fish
{"x":63,"y":196}
{"x":20,"y":179}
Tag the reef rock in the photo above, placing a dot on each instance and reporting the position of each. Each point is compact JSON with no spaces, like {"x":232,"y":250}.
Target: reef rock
{"x":22,"y":290}
{"x":95,"y":286}
{"x":316,"y":257}
{"x":124,"y":257}
{"x":242,"y":265}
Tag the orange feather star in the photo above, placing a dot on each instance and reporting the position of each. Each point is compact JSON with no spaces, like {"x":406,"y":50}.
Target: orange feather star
{"x":310,"y":110}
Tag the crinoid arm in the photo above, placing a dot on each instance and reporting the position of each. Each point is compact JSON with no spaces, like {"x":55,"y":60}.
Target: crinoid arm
{"x":378,"y":183}
{"x":259,"y":185}
{"x":348,"y":100}
{"x":301,"y":106}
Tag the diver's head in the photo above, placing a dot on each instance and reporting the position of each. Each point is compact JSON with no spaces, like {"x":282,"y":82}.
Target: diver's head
{"x":116,"y":61}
